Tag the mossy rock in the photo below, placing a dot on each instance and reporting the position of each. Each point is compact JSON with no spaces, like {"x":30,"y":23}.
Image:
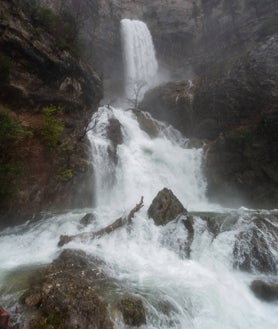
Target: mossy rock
{"x":133,"y":311}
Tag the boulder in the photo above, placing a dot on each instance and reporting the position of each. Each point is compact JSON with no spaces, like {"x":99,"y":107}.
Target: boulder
{"x":265,"y":290}
{"x":114,"y":132}
{"x":147,"y":124}
{"x":165,"y":207}
{"x":87,"y":219}
{"x":253,"y":246}
{"x":133,"y":311}
{"x":63,"y":295}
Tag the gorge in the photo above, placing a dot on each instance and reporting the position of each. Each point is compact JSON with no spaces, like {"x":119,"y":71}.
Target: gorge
{"x":202,"y":252}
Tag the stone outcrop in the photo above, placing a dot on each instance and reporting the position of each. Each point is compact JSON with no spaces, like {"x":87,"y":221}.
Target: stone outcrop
{"x":147,"y":123}
{"x":241,"y":166}
{"x":253,"y":249}
{"x":40,"y":73}
{"x":87,"y":219}
{"x":236,"y":107}
{"x":165,"y":207}
{"x":265,"y":290}
{"x":64,"y":295}
{"x":72,"y":292}
{"x":171,"y":103}
{"x":133,"y":311}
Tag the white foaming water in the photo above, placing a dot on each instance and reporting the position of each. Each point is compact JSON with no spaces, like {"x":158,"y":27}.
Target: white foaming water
{"x":145,"y":165}
{"x":139,"y":57}
{"x":178,"y":293}
{"x":203,"y":292}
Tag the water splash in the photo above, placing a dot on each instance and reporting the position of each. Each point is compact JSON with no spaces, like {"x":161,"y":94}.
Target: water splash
{"x":145,"y":165}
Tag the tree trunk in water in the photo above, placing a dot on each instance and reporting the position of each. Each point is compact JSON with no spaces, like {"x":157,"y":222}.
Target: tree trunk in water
{"x":64,"y":239}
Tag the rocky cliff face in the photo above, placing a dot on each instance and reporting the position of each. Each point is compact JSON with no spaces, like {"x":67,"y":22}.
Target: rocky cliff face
{"x":234,"y":101}
{"x":47,"y":96}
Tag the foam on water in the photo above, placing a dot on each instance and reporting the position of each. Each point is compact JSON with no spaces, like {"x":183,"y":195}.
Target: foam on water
{"x":201,"y":292}
{"x":145,"y":165}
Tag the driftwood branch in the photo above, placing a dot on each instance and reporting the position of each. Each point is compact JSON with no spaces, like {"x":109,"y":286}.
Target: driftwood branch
{"x":64,"y":239}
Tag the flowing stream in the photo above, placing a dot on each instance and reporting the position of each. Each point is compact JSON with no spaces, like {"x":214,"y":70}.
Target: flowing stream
{"x":205,"y":291}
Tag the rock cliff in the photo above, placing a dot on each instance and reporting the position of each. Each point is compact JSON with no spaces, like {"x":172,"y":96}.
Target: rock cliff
{"x":47,"y":96}
{"x":233,"y":102}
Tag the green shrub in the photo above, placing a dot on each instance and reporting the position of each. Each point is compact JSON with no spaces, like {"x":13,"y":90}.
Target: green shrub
{"x":46,"y":18}
{"x":65,"y":174}
{"x":11,"y":133}
{"x":8,"y":173}
{"x":52,"y":128}
{"x":5,"y":66}
{"x":61,"y":25}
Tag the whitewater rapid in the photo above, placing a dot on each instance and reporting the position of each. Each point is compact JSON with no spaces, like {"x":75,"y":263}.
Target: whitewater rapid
{"x":204,"y":291}
{"x":145,"y":165}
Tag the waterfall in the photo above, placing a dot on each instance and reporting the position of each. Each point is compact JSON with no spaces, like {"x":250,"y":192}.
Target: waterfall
{"x":209,"y":289}
{"x":139,"y":57}
{"x":144,"y":164}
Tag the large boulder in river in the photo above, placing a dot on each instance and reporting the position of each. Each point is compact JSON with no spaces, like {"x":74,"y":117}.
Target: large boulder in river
{"x":253,"y":249}
{"x":265,"y":290}
{"x":64,"y":295}
{"x":165,"y":207}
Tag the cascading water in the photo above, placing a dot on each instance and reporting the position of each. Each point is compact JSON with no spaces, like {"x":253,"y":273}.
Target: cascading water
{"x":139,"y":57}
{"x":208,"y":289}
{"x":145,"y":165}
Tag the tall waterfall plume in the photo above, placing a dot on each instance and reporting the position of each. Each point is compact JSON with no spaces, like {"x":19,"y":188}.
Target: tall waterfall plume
{"x":139,"y":57}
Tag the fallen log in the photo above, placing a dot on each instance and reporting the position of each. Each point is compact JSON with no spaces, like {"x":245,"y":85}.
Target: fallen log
{"x":4,"y":318}
{"x":64,"y":239}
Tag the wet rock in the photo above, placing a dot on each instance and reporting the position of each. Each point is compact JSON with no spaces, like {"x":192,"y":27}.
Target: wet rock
{"x":189,"y":225}
{"x":265,"y":290}
{"x":114,"y":132}
{"x":133,"y":311}
{"x":41,"y":73}
{"x":87,"y":219}
{"x":165,"y":207}
{"x":252,"y":252}
{"x":244,"y":105}
{"x":195,"y":143}
{"x":64,"y":295}
{"x":171,"y":103}
{"x":147,"y":124}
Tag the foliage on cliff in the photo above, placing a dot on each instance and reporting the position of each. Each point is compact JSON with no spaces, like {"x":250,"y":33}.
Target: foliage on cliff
{"x":12,"y":135}
{"x":41,"y":71}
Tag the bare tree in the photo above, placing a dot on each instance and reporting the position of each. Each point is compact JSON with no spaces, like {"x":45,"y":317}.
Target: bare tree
{"x":137,"y":93}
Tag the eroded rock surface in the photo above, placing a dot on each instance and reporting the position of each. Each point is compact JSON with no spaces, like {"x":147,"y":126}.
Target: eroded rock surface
{"x":64,"y":295}
{"x":165,"y":207}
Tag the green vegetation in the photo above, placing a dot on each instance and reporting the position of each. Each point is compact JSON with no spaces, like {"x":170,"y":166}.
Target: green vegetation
{"x":11,"y":134}
{"x":52,"y":127}
{"x":5,"y":65}
{"x":65,"y":174}
{"x":61,"y":25}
